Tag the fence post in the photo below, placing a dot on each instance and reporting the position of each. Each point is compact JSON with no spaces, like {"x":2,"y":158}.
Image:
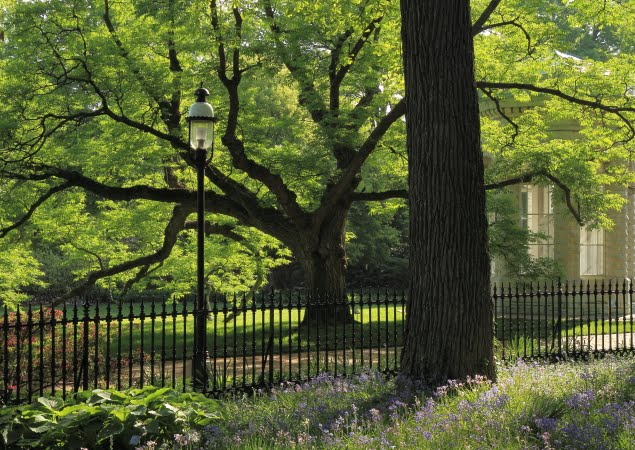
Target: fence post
{"x":86,"y":344}
{"x":5,"y":372}
{"x":559,"y":324}
{"x":271,"y":336}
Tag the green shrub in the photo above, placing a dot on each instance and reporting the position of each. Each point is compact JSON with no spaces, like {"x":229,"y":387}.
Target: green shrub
{"x":99,"y":418}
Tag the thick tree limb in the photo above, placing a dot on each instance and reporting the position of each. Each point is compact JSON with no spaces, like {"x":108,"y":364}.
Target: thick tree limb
{"x":285,"y":196}
{"x":44,"y":197}
{"x":478,"y":26}
{"x":232,"y":189}
{"x":346,"y":181}
{"x":249,"y":213}
{"x":357,"y":48}
{"x":337,"y":71}
{"x":173,"y":228}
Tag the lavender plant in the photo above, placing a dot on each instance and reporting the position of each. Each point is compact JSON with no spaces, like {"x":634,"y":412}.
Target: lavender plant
{"x":532,"y":406}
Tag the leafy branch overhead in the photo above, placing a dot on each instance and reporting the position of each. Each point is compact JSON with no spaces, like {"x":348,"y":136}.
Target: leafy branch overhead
{"x":311,"y":108}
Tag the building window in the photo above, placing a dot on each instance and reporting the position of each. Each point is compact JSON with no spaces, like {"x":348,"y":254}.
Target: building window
{"x":591,"y":252}
{"x":536,"y":215}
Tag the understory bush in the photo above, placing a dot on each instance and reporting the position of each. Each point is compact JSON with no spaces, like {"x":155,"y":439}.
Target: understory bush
{"x":106,"y":419}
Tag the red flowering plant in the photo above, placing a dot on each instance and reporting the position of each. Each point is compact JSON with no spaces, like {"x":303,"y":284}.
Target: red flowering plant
{"x":41,"y":349}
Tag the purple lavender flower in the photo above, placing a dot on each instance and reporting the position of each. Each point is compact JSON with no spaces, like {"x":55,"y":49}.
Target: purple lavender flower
{"x":365,"y":440}
{"x":582,"y":400}
{"x":546,"y":423}
{"x":396,"y":404}
{"x":375,"y":415}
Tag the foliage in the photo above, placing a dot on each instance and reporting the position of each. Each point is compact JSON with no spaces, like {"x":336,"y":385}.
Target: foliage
{"x":106,"y":99}
{"x":103,"y":418}
{"x":377,"y":245}
{"x":19,"y":268}
{"x":564,"y":405}
{"x":102,"y":88}
{"x":573,"y":49}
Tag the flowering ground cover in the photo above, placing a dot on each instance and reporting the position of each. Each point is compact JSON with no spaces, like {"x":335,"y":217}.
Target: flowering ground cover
{"x":581,"y":405}
{"x":532,"y":406}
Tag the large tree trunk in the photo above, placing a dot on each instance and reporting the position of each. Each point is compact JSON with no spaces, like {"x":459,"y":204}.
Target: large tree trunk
{"x":323,"y":258}
{"x":449,"y":326}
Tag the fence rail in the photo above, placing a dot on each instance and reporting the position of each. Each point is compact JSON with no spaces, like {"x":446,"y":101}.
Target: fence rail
{"x":571,"y":319}
{"x":256,"y":341}
{"x":252,"y":342}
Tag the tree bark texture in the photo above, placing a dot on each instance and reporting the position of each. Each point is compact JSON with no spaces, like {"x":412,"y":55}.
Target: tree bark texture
{"x":449,"y":325}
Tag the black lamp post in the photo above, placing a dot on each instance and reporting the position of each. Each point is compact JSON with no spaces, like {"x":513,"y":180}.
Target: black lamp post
{"x":201,"y":132}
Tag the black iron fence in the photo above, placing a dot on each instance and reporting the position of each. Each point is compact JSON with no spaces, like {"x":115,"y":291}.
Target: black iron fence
{"x":564,"y":320}
{"x":252,"y":342}
{"x":257,"y":341}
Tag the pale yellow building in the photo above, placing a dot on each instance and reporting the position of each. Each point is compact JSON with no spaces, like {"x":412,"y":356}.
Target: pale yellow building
{"x":583,"y":253}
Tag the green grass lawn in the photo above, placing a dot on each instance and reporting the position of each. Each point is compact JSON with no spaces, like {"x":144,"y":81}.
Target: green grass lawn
{"x":169,"y":331}
{"x":542,"y":329}
{"x":246,"y":333}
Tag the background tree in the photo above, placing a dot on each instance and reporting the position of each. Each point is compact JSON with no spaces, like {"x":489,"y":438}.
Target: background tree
{"x":96,"y":172}
{"x":94,"y":136}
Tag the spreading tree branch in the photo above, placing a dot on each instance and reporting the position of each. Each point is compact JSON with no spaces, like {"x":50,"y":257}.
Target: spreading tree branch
{"x":513,"y":23}
{"x":125,"y":54}
{"x":528,"y":177}
{"x":357,"y":48}
{"x":285,"y":196}
{"x":500,"y":111}
{"x":618,"y":111}
{"x":309,"y":96}
{"x":525,"y":178}
{"x":173,"y":228}
{"x":249,"y":213}
{"x":478,"y":26}
{"x":44,"y":197}
{"x":346,"y":182}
